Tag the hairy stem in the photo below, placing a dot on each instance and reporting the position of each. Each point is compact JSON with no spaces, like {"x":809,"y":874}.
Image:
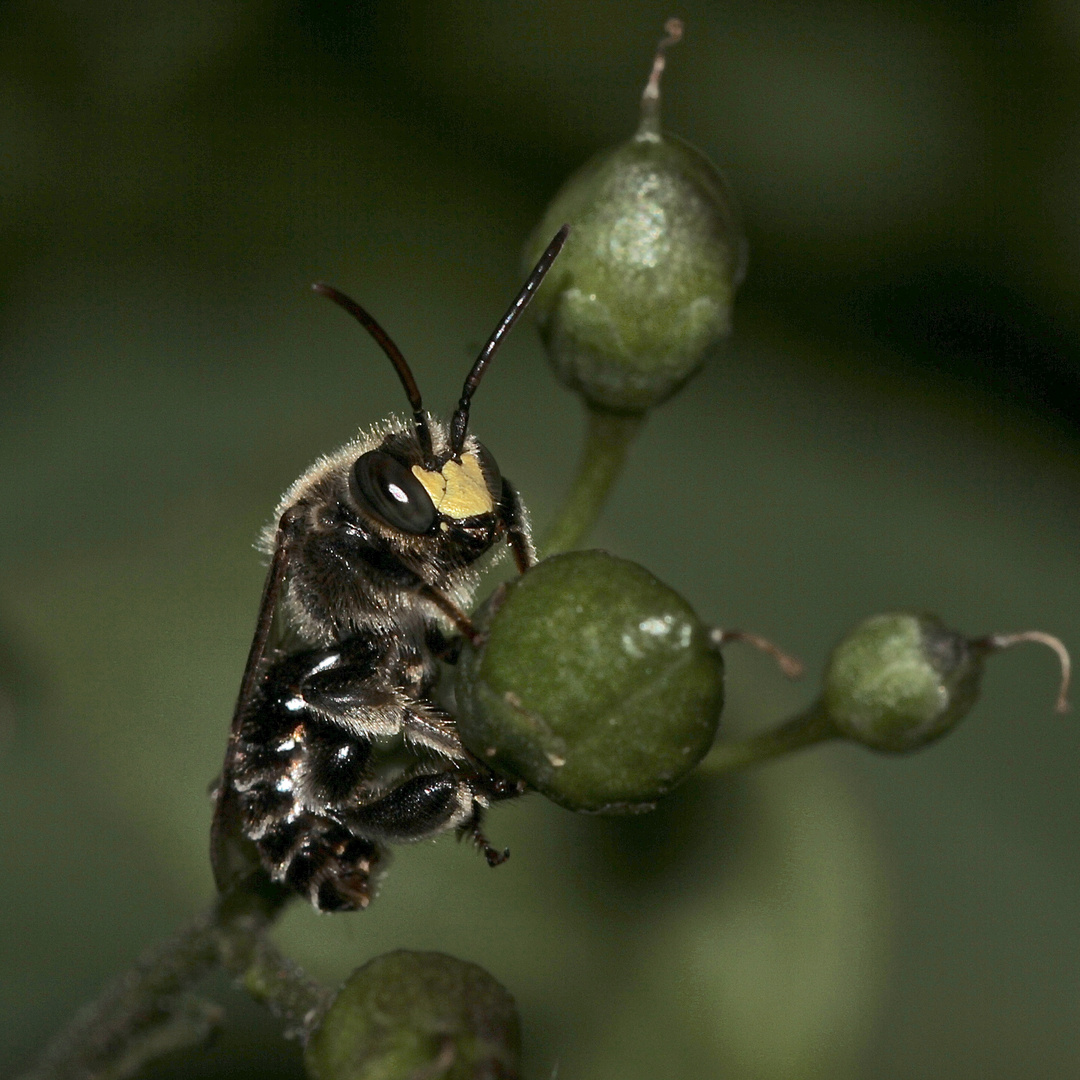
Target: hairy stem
{"x":286,"y":990}
{"x":149,"y":1011}
{"x":805,"y":729}
{"x":134,"y":1019}
{"x":607,"y":440}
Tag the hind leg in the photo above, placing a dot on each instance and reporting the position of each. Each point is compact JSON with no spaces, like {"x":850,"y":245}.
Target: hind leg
{"x":427,"y":805}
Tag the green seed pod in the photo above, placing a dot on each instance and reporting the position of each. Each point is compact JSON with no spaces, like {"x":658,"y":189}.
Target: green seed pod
{"x":900,"y":681}
{"x":646,"y":281}
{"x":595,"y":683}
{"x":411,"y":1014}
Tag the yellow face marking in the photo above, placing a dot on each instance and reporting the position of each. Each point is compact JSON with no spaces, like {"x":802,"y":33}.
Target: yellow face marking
{"x":459,"y":491}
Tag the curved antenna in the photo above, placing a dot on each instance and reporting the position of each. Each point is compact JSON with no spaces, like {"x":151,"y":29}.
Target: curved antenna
{"x":393,"y":353}
{"x":460,"y":421}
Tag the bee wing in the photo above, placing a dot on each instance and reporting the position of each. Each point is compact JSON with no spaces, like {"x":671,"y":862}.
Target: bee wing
{"x":233,"y":858}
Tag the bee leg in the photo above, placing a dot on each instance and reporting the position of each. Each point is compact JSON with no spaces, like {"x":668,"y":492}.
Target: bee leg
{"x":472,"y":830}
{"x":431,"y":728}
{"x":452,"y":612}
{"x":488,"y":787}
{"x":415,"y":809}
{"x":344,"y":695}
{"x":338,"y":697}
{"x":516,"y":522}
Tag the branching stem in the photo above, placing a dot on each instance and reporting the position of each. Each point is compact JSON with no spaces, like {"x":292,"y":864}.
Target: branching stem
{"x":150,"y":1011}
{"x":286,"y":990}
{"x":805,"y":729}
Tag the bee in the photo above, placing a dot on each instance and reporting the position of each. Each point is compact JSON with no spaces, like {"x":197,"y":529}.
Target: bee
{"x":338,"y":747}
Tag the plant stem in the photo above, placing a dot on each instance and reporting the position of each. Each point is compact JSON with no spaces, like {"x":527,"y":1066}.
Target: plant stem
{"x":149,"y":1011}
{"x":134,"y":1012}
{"x":286,"y":990}
{"x":607,"y":440}
{"x":805,"y":729}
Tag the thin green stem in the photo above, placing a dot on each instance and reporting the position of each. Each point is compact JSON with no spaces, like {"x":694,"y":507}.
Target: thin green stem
{"x":805,"y":729}
{"x":607,"y":440}
{"x":286,"y":990}
{"x":149,"y":1011}
{"x":135,"y":1018}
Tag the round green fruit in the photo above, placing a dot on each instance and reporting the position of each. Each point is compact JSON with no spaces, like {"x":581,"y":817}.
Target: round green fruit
{"x":646,"y":281}
{"x":409,"y":1014}
{"x":595,"y":683}
{"x":899,"y":681}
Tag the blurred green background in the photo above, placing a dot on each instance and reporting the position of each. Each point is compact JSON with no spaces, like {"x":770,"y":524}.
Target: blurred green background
{"x":895,"y":424}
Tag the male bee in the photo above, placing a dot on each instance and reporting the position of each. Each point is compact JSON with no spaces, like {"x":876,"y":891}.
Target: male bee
{"x":337,"y":747}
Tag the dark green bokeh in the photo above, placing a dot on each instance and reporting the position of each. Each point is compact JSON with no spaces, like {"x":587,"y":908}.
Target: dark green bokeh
{"x":893,"y":426}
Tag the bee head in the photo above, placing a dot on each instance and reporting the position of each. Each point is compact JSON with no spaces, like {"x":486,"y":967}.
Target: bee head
{"x":452,"y":495}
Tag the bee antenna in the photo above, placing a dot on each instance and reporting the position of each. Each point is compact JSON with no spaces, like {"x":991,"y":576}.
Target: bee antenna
{"x":393,"y":353}
{"x":460,"y":421}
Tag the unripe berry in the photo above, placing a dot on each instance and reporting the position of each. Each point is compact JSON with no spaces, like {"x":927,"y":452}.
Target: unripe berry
{"x":646,"y":281}
{"x":595,"y":683}
{"x":899,"y":681}
{"x":417,"y":1014}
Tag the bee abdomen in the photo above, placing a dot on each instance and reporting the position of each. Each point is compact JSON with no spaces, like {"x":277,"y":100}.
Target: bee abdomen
{"x":336,"y":763}
{"x":322,"y":860}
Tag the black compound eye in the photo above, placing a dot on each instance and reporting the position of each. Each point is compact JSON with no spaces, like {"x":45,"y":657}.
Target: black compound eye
{"x":388,"y":488}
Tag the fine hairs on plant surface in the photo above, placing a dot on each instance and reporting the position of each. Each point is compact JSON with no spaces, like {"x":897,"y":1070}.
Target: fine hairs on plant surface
{"x":395,"y":711}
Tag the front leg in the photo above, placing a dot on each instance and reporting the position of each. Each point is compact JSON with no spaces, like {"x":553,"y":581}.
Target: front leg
{"x":515,"y":521}
{"x":448,"y":608}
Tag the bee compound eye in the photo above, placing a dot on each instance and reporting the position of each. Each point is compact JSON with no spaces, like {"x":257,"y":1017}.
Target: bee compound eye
{"x":385,"y":486}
